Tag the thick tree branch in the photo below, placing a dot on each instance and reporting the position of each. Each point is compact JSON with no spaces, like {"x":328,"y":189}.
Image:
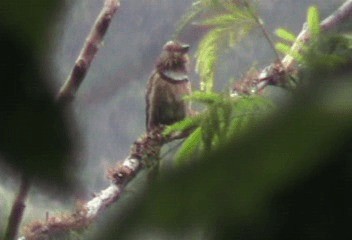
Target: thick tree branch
{"x":144,"y":152}
{"x":276,"y":73}
{"x":88,"y":52}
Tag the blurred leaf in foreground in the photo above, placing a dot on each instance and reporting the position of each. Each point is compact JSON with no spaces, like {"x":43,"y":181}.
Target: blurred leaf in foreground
{"x":34,"y":137}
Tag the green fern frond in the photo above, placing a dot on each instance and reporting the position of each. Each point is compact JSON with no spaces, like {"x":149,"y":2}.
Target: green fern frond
{"x":207,"y":56}
{"x":252,"y":104}
{"x":283,"y":48}
{"x":223,"y":118}
{"x":227,"y":28}
{"x":286,"y":49}
{"x":225,"y":112}
{"x":328,"y":54}
{"x":210,"y":3}
{"x":229,"y":20}
{"x":313,"y":21}
{"x":239,"y":124}
{"x":285,"y":35}
{"x":205,"y":98}
{"x":214,"y":121}
{"x":236,"y":37}
{"x":246,"y":111}
{"x":207,"y":133}
{"x":257,"y":101}
{"x":193,"y":12}
{"x":183,"y":125}
{"x":189,"y":147}
{"x":229,"y":5}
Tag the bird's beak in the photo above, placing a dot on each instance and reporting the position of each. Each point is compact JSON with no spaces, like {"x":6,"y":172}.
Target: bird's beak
{"x":185,"y":48}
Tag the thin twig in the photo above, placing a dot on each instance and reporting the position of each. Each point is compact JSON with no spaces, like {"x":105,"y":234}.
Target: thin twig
{"x":88,"y":52}
{"x":265,"y":32}
{"x":17,"y":210}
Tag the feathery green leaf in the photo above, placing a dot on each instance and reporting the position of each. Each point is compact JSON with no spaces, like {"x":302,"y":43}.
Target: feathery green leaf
{"x":286,"y":49}
{"x":313,"y":20}
{"x":207,"y":57}
{"x":183,"y":125}
{"x":203,"y":97}
{"x":285,"y":35}
{"x":189,"y":147}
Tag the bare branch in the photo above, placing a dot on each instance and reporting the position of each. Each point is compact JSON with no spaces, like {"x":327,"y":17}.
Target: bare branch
{"x":276,"y":73}
{"x":88,"y":52}
{"x":17,"y":210}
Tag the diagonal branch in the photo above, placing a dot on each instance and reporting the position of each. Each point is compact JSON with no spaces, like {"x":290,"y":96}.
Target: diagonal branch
{"x":276,"y":73}
{"x":66,"y":94}
{"x":88,"y":52}
{"x":144,"y":151}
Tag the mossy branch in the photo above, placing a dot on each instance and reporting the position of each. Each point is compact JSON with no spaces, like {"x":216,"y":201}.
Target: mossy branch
{"x":276,"y":74}
{"x":143,"y":151}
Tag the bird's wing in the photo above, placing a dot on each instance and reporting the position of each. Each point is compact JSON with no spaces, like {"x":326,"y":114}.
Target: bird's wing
{"x":149,"y":93}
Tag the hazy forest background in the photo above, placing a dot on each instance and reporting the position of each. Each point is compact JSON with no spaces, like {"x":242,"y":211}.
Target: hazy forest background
{"x":108,"y":115}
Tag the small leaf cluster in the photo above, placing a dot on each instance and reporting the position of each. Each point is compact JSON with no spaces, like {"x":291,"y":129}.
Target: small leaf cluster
{"x":224,"y":118}
{"x":228,"y":22}
{"x":323,"y":54}
{"x":226,"y":30}
{"x":313,"y":24}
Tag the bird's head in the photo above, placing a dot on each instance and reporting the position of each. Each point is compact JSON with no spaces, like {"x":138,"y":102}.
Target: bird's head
{"x":176,"y":47}
{"x":174,"y":57}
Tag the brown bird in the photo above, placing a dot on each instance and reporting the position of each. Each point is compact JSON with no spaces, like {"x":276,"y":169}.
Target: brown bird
{"x":166,"y":87}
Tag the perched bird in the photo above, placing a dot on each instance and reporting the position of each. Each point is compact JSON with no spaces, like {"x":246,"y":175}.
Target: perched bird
{"x":167,"y":85}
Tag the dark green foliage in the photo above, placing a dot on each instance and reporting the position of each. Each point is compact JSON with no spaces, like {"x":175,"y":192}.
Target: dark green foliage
{"x":329,"y":53}
{"x":28,"y":20}
{"x":34,"y":136}
{"x":224,"y":118}
{"x":190,"y":147}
